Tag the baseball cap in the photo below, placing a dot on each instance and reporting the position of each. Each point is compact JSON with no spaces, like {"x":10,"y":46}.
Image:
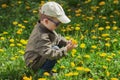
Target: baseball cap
{"x":53,"y":9}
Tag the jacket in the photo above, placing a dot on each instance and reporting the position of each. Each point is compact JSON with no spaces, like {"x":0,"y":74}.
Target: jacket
{"x":39,"y":47}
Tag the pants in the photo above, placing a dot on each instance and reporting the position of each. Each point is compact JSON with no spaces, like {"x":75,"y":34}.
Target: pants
{"x":49,"y":64}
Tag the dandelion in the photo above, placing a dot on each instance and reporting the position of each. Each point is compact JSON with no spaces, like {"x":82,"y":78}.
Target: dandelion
{"x":23,"y":41}
{"x":15,"y":23}
{"x":87,"y":56}
{"x":46,"y":74}
{"x":74,"y":41}
{"x":90,"y":79}
{"x":115,"y":40}
{"x":27,"y":78}
{"x":82,"y":45}
{"x":2,"y":38}
{"x":19,"y":31}
{"x":67,"y":37}
{"x":5,"y":32}
{"x":108,"y":59}
{"x":72,"y":64}
{"x":62,"y":67}
{"x":115,"y":2}
{"x":94,"y":37}
{"x":107,"y":73}
{"x":86,"y":69}
{"x":107,"y":27}
{"x":100,"y":28}
{"x":19,"y":44}
{"x":34,"y":11}
{"x":21,"y":52}
{"x":105,"y":35}
{"x":93,"y":46}
{"x":12,"y":45}
{"x":104,"y":67}
{"x":75,"y":73}
{"x":4,"y":5}
{"x":79,"y":68}
{"x":42,"y":79}
{"x":77,"y":28}
{"x":1,"y":50}
{"x":115,"y":28}
{"x":11,"y":40}
{"x":107,"y":44}
{"x":69,"y":74}
{"x":103,"y":54}
{"x":114,"y":79}
{"x":25,"y":21}
{"x":102,"y":3}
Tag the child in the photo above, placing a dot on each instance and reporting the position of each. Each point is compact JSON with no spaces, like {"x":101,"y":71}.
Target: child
{"x":45,"y":46}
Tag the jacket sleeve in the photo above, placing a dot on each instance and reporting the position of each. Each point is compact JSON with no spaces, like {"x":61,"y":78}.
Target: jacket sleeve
{"x":45,"y":49}
{"x":61,"y":41}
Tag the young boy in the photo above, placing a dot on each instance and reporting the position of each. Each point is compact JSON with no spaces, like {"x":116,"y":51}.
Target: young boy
{"x":45,"y":46}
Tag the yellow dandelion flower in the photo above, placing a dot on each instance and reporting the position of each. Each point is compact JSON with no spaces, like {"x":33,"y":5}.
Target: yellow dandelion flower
{"x":67,"y":37}
{"x":23,"y":41}
{"x":69,"y":74}
{"x":27,"y":78}
{"x":2,"y":38}
{"x":104,"y":67}
{"x":75,"y":73}
{"x":4,"y":5}
{"x":82,"y":45}
{"x":94,"y":37}
{"x":62,"y":67}
{"x":108,"y":59}
{"x":107,"y":44}
{"x":86,"y":69}
{"x":46,"y":74}
{"x":15,"y":23}
{"x":21,"y":52}
{"x":102,"y":3}
{"x":11,"y":40}
{"x":80,"y":68}
{"x":87,"y":56}
{"x":35,"y":11}
{"x":5,"y":32}
{"x":107,"y":27}
{"x":72,"y":64}
{"x":100,"y":28}
{"x":114,"y":79}
{"x":90,"y":79}
{"x":25,"y":21}
{"x":103,"y":54}
{"x":77,"y":28}
{"x":13,"y":58}
{"x":115,"y":2}
{"x":115,"y":40}
{"x":19,"y":31}
{"x":105,"y":35}
{"x":107,"y":73}
{"x":12,"y":45}
{"x":19,"y":44}
{"x":54,"y":70}
{"x":1,"y":50}
{"x":42,"y":79}
{"x":74,"y":41}
{"x":93,"y":46}
{"x":115,"y":28}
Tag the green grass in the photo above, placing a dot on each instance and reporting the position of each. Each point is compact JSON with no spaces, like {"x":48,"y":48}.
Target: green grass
{"x":93,"y":24}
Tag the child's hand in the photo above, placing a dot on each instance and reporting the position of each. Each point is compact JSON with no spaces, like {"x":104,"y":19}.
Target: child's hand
{"x":70,"y":45}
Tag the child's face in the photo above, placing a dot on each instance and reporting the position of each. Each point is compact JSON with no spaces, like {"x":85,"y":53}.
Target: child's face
{"x":53,"y":23}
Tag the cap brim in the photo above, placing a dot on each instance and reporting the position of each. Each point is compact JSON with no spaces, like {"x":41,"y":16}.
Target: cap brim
{"x":64,"y":19}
